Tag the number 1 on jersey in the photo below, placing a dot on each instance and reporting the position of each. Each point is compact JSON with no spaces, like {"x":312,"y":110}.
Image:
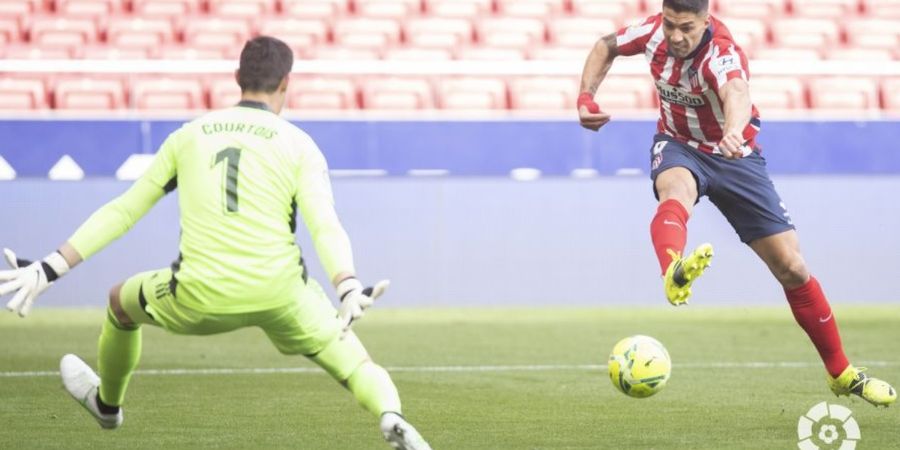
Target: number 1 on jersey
{"x":232,"y":156}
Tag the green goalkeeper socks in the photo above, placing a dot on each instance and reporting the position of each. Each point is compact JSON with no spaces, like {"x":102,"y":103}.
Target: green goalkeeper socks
{"x":118,"y":355}
{"x":373,"y":389}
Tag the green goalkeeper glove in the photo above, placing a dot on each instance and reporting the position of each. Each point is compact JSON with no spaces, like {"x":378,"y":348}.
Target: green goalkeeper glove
{"x":355,"y":300}
{"x":29,"y":279}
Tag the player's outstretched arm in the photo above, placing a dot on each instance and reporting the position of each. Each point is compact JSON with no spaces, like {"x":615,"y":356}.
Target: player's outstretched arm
{"x":736,"y":105}
{"x":316,"y":202}
{"x":598,"y":63}
{"x":29,"y":279}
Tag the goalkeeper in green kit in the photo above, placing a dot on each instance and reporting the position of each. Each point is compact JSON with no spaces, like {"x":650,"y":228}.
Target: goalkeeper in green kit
{"x":241,"y":174}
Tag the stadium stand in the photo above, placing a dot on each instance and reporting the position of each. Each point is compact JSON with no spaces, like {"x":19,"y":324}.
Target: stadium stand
{"x":167,"y":94}
{"x":397,"y":94}
{"x":471,"y":93}
{"x":855,"y":31}
{"x":88,"y":93}
{"x":22,"y":94}
{"x":890,"y":90}
{"x":842,"y":93}
{"x":322,"y":93}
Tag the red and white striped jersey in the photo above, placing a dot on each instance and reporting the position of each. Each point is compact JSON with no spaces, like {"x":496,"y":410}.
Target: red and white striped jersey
{"x":690,"y":107}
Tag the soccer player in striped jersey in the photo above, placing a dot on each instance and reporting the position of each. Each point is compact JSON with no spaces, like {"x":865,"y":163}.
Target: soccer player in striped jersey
{"x":242,"y":174}
{"x":706,"y":146}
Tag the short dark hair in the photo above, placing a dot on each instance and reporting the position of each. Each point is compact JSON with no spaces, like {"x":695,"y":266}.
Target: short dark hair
{"x":265,"y":61}
{"x":692,"y":6}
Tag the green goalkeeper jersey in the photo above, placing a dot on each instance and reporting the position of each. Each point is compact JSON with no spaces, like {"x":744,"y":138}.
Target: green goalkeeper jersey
{"x":241,"y":175}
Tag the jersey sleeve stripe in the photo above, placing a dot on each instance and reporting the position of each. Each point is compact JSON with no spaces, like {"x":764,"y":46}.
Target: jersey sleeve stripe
{"x":633,"y":40}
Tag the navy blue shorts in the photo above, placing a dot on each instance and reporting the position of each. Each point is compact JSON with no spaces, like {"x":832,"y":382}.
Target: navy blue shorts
{"x":740,"y":188}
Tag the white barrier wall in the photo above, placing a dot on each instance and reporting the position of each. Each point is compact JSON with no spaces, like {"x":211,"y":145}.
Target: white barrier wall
{"x":494,"y":241}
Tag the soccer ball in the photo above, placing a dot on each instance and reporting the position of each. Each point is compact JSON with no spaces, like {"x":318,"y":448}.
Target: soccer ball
{"x":639,"y":366}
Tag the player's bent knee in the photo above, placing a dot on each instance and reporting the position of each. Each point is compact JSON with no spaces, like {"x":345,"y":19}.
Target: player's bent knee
{"x":791,"y":273}
{"x":341,"y":357}
{"x":115,"y":305}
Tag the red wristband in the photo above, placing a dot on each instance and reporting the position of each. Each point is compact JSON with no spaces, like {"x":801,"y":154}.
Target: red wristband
{"x":586,"y":99}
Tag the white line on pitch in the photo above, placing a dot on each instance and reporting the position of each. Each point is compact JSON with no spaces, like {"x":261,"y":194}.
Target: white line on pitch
{"x":490,"y":368}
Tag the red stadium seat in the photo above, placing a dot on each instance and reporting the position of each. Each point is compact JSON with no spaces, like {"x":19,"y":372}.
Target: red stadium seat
{"x":169,"y":8}
{"x":748,"y":33}
{"x":110,"y":52}
{"x":883,"y":9}
{"x":100,"y":94}
{"x":226,"y":34}
{"x":483,"y":53}
{"x":578,"y":31}
{"x":322,"y":93}
{"x":463,"y":9}
{"x":553,"y":53}
{"x":843,"y":93}
{"x":374,"y":34}
{"x":314,"y":9}
{"x":830,"y":9}
{"x":543,"y":93}
{"x":139,"y":32}
{"x":750,"y":9}
{"x":20,"y":8}
{"x":387,"y":9}
{"x":167,"y":94}
{"x":438,"y":32}
{"x":777,"y":93}
{"x":177,"y":51}
{"x":60,"y":31}
{"x":9,"y":29}
{"x":20,"y":94}
{"x":873,"y":33}
{"x":805,"y":33}
{"x":415,"y":5}
{"x":625,"y":93}
{"x":859,"y":54}
{"x":87,"y":8}
{"x":300,"y":34}
{"x":343,"y":53}
{"x":241,"y":8}
{"x":471,"y":93}
{"x":27,"y":51}
{"x":539,"y":9}
{"x":417,"y":54}
{"x":613,"y":10}
{"x":397,"y":94}
{"x":440,"y":40}
{"x":224,"y":92}
{"x":502,"y":32}
{"x":787,"y":54}
{"x":890,"y":94}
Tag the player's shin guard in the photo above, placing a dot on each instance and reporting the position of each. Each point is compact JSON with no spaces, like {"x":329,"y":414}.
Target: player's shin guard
{"x":118,"y":356}
{"x":668,"y":230}
{"x":374,"y":389}
{"x":812,"y":312}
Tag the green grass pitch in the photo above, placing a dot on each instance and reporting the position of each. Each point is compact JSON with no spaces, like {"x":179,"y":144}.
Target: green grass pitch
{"x":511,"y":378}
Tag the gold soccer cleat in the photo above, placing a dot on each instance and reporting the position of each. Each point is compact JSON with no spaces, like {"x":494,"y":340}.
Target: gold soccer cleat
{"x":855,"y":381}
{"x":682,"y":273}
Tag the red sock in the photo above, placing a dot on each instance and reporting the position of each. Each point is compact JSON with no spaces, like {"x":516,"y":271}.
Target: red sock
{"x":810,"y":307}
{"x":668,"y":230}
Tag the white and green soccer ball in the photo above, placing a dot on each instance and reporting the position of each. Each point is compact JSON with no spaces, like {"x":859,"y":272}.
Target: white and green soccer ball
{"x":639,"y":366}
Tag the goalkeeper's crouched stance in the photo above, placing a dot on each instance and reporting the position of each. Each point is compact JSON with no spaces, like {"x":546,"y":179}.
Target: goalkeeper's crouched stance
{"x":242,"y":175}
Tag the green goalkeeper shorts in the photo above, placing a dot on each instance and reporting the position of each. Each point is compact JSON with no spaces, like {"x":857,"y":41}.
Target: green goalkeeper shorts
{"x":308,"y":326}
